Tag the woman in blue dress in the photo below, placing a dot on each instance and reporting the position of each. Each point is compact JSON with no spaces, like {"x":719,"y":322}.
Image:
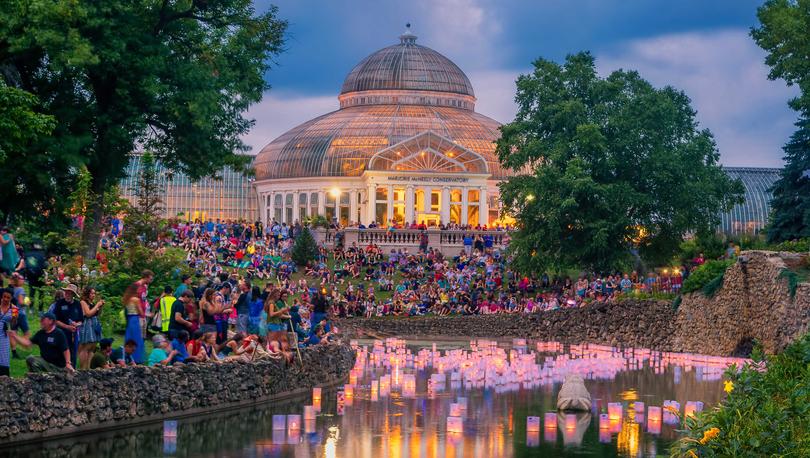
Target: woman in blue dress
{"x":133,"y":310}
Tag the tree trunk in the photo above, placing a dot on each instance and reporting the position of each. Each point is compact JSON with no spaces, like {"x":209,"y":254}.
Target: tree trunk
{"x":91,"y":231}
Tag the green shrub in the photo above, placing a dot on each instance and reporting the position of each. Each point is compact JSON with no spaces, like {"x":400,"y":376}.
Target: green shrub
{"x":305,"y":248}
{"x":766,"y":413}
{"x":709,"y":289}
{"x":798,"y":246}
{"x":705,"y":274}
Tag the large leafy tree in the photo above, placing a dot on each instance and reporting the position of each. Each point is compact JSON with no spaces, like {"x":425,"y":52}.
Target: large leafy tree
{"x":173,"y":76}
{"x":606,"y":166}
{"x":25,"y":183}
{"x":783,"y":33}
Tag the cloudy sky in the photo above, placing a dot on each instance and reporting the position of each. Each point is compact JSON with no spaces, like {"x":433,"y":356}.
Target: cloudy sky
{"x":701,"y":47}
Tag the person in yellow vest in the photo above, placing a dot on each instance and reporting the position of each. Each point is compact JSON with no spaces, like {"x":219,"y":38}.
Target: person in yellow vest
{"x":166,"y":303}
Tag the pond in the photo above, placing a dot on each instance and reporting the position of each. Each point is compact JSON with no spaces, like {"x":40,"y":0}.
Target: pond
{"x":404,"y":392}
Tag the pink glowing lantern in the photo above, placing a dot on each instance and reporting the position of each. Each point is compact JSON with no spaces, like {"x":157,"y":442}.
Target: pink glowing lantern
{"x":570,"y":422}
{"x":348,"y":390}
{"x":455,"y":409}
{"x":653,"y":427}
{"x":550,"y":420}
{"x":455,"y":425}
{"x":615,"y":411}
{"x":352,"y":378}
{"x":653,"y":414}
{"x":309,"y":426}
{"x":639,"y":407}
{"x":316,"y":404}
{"x":532,"y":424}
{"x":316,"y":394}
{"x":309,"y":412}
{"x":692,"y":408}
{"x":279,"y":422}
{"x":293,"y":423}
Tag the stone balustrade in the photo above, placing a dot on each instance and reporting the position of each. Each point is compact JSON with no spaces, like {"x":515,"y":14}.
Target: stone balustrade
{"x":448,"y":242}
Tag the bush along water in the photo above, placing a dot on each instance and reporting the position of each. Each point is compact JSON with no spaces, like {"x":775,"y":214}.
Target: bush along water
{"x":766,"y":411}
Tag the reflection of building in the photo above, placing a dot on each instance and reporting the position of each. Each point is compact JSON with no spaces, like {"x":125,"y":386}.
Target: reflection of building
{"x":231,"y":198}
{"x":752,"y":215}
{"x":406,"y":145}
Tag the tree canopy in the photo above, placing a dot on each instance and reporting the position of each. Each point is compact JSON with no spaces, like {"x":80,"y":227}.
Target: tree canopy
{"x":171,"y":76}
{"x":606,"y":166}
{"x":783,"y":33}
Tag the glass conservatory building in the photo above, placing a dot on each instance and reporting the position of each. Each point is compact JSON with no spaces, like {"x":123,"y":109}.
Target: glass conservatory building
{"x":230,"y":198}
{"x":751,"y":216}
{"x":405,"y":146}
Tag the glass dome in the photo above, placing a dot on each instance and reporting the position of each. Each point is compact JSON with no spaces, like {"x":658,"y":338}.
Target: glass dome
{"x":410,"y":67}
{"x":394,"y":94}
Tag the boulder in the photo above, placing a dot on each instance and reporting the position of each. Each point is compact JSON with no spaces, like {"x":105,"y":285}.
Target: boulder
{"x":573,"y":395}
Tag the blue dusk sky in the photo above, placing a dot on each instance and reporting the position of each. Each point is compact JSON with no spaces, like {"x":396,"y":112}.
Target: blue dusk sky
{"x":701,"y":47}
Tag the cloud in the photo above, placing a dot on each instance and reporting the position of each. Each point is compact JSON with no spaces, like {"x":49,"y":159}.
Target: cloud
{"x":464,"y":29}
{"x":495,"y":91}
{"x":280,"y":111}
{"x":724,"y":75}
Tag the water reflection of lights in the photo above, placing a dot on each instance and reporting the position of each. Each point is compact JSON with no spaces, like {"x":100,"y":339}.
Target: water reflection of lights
{"x":330,"y":450}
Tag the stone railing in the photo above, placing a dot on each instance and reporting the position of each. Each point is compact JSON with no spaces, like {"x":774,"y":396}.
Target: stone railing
{"x":448,"y":242}
{"x":40,"y":406}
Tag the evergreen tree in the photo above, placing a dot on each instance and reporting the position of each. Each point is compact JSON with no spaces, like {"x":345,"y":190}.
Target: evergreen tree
{"x":790,"y":207}
{"x":305,"y":248}
{"x":145,"y":217}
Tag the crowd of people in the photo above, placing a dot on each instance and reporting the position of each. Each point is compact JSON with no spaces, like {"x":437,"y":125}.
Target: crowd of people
{"x":247,"y":300}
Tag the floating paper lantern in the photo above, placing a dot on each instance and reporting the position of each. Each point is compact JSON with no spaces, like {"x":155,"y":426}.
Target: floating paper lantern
{"x":279,"y":436}
{"x":309,"y":426}
{"x":294,"y":436}
{"x":348,"y":390}
{"x":352,"y":378}
{"x":455,"y":425}
{"x":550,"y":420}
{"x":279,"y":422}
{"x":170,"y":428}
{"x":316,"y":404}
{"x":293,"y":423}
{"x":615,"y":411}
{"x":653,"y":414}
{"x":532,"y":424}
{"x":692,"y":407}
{"x":653,"y":427}
{"x":309,"y":413}
{"x":316,"y":394}
{"x":463,"y":403}
{"x":455,"y":409}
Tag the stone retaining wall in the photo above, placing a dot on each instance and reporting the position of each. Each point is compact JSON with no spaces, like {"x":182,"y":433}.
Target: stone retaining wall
{"x":627,"y":323}
{"x":47,"y":405}
{"x":753,"y":303}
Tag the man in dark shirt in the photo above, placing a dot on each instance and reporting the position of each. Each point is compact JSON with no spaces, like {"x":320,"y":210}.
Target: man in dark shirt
{"x":124,"y":356}
{"x":53,"y":347}
{"x":243,"y":306}
{"x":68,"y":313}
{"x":179,"y":318}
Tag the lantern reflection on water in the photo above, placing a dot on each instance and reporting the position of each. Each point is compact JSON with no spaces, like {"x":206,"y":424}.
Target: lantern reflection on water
{"x":455,"y":425}
{"x":279,"y":422}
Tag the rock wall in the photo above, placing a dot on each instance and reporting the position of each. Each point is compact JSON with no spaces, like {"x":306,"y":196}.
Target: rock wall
{"x":753,"y":303}
{"x":47,"y":405}
{"x":627,"y":323}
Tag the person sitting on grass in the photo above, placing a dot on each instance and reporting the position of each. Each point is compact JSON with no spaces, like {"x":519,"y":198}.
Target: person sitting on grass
{"x":53,"y":347}
{"x":162,"y":354}
{"x":101,"y":358}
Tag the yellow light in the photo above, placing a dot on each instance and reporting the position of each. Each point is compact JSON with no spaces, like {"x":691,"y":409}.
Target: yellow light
{"x":335,"y":192}
{"x":529,"y":197}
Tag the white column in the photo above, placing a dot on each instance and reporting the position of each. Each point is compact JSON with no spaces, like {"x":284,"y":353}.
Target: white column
{"x":322,"y":203}
{"x":353,"y":206}
{"x":371,"y":204}
{"x":272,"y":206}
{"x":445,"y":205}
{"x":296,"y":208}
{"x":464,"y":204}
{"x":483,"y":209}
{"x":390,"y":207}
{"x":410,"y":204}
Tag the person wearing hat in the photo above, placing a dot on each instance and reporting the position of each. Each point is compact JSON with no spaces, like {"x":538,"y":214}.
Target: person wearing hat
{"x":101,"y":358}
{"x":69,"y":316}
{"x":53,"y":347}
{"x":162,"y":354}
